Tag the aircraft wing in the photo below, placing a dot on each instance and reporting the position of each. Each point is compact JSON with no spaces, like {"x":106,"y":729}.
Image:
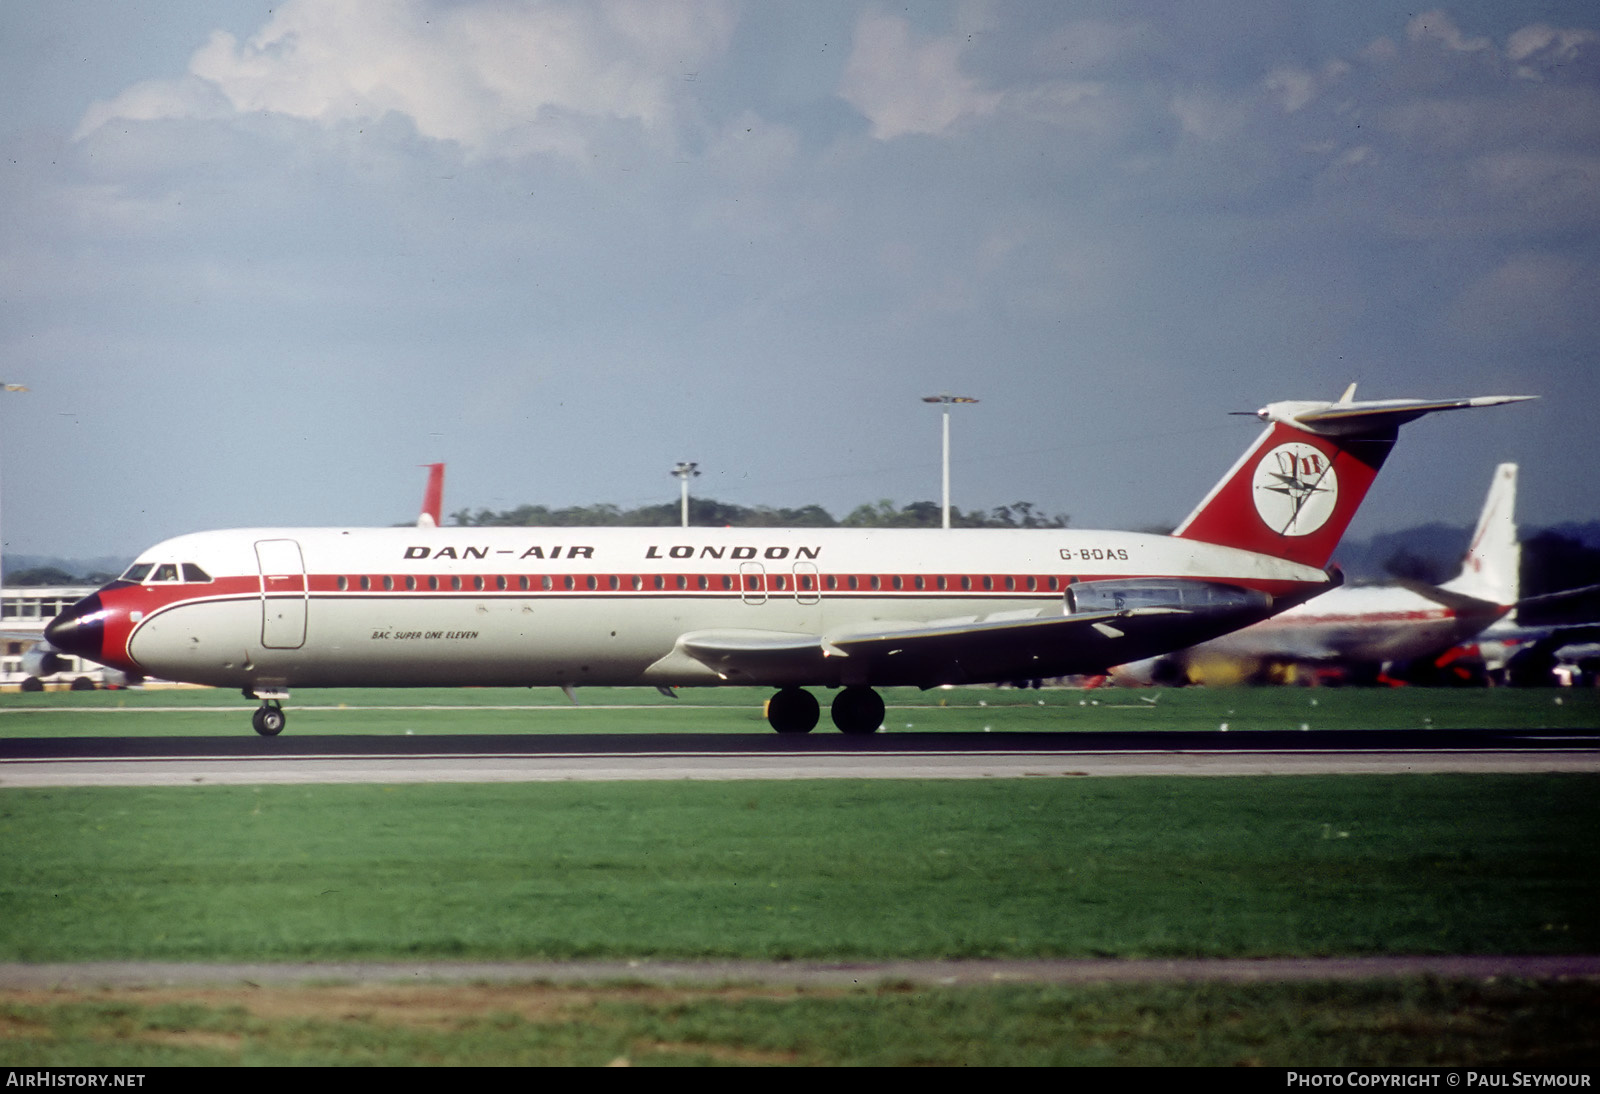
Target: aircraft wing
{"x":1460,"y":603}
{"x":926,"y":654}
{"x":1559,"y":595}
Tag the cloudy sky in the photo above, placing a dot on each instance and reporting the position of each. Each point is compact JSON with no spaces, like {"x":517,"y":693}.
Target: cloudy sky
{"x":260,"y":260}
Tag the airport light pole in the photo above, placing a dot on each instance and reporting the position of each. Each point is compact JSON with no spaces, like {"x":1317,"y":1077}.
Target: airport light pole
{"x":6,"y":386}
{"x":945,"y":398}
{"x":683,"y":473}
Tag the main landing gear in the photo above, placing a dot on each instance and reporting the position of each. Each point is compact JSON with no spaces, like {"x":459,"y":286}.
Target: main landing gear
{"x":855,"y":710}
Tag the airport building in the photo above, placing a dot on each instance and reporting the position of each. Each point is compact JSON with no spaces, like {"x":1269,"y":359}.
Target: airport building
{"x":24,"y":613}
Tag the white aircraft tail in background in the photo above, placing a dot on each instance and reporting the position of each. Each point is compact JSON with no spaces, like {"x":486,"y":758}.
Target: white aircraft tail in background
{"x":1491,"y":570}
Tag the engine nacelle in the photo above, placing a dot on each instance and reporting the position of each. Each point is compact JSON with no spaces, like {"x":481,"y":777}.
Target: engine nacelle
{"x":1200,"y":597}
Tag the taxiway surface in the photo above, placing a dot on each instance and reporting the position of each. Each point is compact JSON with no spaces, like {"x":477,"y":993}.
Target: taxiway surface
{"x":173,"y":761}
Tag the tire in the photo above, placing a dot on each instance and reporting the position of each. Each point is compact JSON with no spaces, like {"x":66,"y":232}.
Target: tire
{"x":858,"y":711}
{"x":793,"y":710}
{"x":268,"y":721}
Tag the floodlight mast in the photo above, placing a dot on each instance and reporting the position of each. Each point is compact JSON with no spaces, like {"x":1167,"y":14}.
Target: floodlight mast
{"x":945,"y":398}
{"x":7,"y":386}
{"x":683,"y":473}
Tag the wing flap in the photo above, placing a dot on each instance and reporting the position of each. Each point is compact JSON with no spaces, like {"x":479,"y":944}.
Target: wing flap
{"x":897,"y":639}
{"x":734,"y":655}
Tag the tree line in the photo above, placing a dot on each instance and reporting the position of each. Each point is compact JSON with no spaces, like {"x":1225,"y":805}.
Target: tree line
{"x":706,"y":512}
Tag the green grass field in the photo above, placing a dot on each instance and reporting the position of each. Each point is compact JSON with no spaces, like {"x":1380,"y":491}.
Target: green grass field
{"x":1541,"y":1027}
{"x":831,"y":870}
{"x":835,"y":869}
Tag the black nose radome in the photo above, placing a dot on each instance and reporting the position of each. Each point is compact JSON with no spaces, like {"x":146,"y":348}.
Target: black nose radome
{"x":79,"y":630}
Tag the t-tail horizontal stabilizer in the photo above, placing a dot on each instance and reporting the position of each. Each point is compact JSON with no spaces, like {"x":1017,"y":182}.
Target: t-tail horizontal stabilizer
{"x":1293,"y":494}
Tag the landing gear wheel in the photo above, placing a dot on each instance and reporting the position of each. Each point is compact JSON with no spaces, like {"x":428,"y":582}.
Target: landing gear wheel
{"x":858,"y":711}
{"x":268,"y":719}
{"x":793,"y":710}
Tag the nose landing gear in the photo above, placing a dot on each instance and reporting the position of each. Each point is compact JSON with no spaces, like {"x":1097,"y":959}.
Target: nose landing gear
{"x":269,"y":718}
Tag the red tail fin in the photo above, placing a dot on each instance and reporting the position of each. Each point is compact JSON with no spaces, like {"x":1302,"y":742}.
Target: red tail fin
{"x":432,"y":497}
{"x":1294,"y":492}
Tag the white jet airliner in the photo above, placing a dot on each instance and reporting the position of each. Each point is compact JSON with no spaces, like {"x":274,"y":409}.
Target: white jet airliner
{"x":270,"y":609}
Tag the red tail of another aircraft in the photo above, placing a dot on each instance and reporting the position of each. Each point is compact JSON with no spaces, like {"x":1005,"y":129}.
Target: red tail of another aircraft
{"x":1293,"y":494}
{"x":432,"y":497}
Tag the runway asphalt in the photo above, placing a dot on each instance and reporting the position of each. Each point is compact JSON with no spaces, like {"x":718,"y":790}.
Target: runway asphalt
{"x":245,"y":760}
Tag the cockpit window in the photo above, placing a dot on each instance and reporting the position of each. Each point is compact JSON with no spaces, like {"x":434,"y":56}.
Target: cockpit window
{"x":151,"y":572}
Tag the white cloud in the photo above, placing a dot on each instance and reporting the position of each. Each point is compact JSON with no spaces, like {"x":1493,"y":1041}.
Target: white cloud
{"x":1293,"y":87}
{"x":1540,"y":49}
{"x":1436,"y":26}
{"x":497,"y":78}
{"x":1210,"y":116}
{"x":152,"y":100}
{"x":904,"y":86}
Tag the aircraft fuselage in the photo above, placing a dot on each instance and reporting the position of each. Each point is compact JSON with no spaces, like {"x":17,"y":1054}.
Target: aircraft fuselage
{"x":534,"y":606}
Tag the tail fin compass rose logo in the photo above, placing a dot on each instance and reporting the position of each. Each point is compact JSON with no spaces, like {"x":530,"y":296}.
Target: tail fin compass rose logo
{"x":1295,"y":489}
